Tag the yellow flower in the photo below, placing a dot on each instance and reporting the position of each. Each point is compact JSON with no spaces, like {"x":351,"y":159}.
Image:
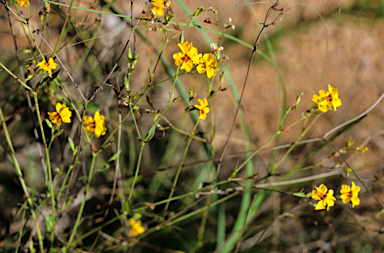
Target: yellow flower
{"x":327,"y":99}
{"x":62,"y":114}
{"x":23,"y":2}
{"x":321,"y":100}
{"x":95,"y":125}
{"x":203,"y":108}
{"x":136,"y":227}
{"x":158,"y":6}
{"x":47,"y":66}
{"x":334,"y":97}
{"x":207,"y":63}
{"x":361,"y":149}
{"x":350,"y":194}
{"x":89,"y":125}
{"x":187,"y":57}
{"x":324,"y":196}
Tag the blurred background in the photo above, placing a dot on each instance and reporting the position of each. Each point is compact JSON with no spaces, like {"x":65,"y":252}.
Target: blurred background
{"x":312,"y":46}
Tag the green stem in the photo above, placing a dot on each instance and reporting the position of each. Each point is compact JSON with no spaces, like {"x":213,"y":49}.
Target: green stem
{"x":48,"y":166}
{"x":80,"y":213}
{"x":294,"y":144}
{"x":63,"y":29}
{"x":66,"y":177}
{"x":22,"y":182}
{"x":181,"y":165}
{"x":14,"y":76}
{"x":137,"y":171}
{"x":253,"y":154}
{"x":134,"y":121}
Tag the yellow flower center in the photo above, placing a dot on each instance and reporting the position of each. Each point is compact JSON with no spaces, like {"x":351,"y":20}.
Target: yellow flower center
{"x":91,"y":125}
{"x":348,"y":194}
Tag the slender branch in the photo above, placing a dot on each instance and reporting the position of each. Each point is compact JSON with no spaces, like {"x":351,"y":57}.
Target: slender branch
{"x":265,"y":25}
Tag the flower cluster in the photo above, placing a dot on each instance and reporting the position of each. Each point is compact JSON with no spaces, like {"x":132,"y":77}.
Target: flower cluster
{"x":189,"y":56}
{"x":47,"y":66}
{"x":62,"y":114}
{"x":95,"y":125}
{"x":327,"y":99}
{"x":207,"y":63}
{"x":326,"y":198}
{"x":158,"y":6}
{"x":136,"y":227}
{"x":23,"y":2}
{"x":203,"y":108}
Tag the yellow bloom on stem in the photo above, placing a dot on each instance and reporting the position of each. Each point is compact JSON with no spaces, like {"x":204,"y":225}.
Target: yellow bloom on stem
{"x":187,"y":57}
{"x":62,"y":114}
{"x":350,"y":194}
{"x":334,"y":100}
{"x":207,"y":63}
{"x":361,"y":149}
{"x":100,"y":128}
{"x":23,"y":2}
{"x":89,"y":125}
{"x":47,"y":66}
{"x":327,"y":99}
{"x":95,"y":125}
{"x":203,"y":108}
{"x":136,"y":227}
{"x":158,"y":6}
{"x":324,"y":196}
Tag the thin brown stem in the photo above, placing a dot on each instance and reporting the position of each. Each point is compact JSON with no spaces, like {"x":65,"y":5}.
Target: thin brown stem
{"x":265,"y":25}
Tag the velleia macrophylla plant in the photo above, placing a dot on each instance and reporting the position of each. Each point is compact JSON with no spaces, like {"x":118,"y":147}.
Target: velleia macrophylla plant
{"x":142,"y":173}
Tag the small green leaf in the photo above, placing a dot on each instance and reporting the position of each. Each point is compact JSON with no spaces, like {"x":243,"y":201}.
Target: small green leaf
{"x":126,"y":207}
{"x":150,"y":134}
{"x":58,"y":170}
{"x":298,"y":98}
{"x":222,"y":77}
{"x":129,"y":54}
{"x":48,"y":123}
{"x":175,"y":100}
{"x":49,"y":220}
{"x":190,"y":92}
{"x":112,"y":157}
{"x":26,"y":51}
{"x":137,"y":216}
{"x":71,"y":144}
{"x":198,"y":11}
{"x":126,"y":83}
{"x":105,"y":166}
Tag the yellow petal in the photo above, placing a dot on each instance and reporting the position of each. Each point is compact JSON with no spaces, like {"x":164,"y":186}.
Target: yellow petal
{"x":200,"y":68}
{"x":211,"y":72}
{"x":187,"y":65}
{"x":100,"y":128}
